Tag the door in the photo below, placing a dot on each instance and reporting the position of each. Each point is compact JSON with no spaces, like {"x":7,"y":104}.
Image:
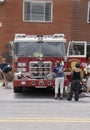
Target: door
{"x":76,"y":52}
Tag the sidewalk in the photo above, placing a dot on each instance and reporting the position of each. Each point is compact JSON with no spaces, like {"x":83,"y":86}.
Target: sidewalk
{"x":7,"y":94}
{"x":10,"y":85}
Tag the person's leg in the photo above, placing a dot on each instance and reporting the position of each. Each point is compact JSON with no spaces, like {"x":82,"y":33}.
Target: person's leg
{"x":77,"y":91}
{"x":6,"y":80}
{"x":6,"y":84}
{"x":71,"y":92}
{"x":61,"y":87}
{"x":76,"y":95}
{"x":56,"y":87}
{"x":88,"y":89}
{"x":88,"y":85}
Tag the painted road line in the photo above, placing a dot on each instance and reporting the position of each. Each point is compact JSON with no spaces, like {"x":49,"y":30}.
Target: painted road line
{"x":81,"y":120}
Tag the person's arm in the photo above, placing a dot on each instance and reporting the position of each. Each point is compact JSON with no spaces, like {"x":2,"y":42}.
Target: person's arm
{"x":54,"y":71}
{"x":81,"y":73}
{"x":72,"y":70}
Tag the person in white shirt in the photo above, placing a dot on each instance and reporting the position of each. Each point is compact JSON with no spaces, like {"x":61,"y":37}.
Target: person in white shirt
{"x":59,"y":78}
{"x":88,"y":80}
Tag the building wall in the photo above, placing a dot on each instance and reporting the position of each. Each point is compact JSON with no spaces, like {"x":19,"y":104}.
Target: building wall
{"x":80,"y":27}
{"x":69,"y":17}
{"x":12,"y":21}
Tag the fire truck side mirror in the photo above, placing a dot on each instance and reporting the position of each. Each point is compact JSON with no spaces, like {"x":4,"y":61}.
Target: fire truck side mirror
{"x":11,"y":47}
{"x":65,"y":58}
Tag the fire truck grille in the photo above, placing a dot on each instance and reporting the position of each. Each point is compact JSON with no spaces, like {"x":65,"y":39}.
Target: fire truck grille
{"x":39,"y":70}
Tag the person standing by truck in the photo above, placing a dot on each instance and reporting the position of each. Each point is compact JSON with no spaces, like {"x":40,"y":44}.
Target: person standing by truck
{"x":77,"y":75}
{"x":6,"y":68}
{"x":59,"y":78}
{"x":88,"y":73}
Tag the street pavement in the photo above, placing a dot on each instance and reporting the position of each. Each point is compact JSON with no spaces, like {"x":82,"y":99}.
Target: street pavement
{"x":38,"y":110}
{"x":3,"y":91}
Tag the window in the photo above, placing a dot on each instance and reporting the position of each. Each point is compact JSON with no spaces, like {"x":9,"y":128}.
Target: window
{"x":76,"y":49}
{"x":37,"y":11}
{"x":45,"y":48}
{"x":88,"y":50}
{"x":88,"y":16}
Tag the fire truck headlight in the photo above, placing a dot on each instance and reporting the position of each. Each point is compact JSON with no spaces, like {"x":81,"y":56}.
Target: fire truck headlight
{"x":18,"y":70}
{"x":21,"y":64}
{"x":50,"y":76}
{"x":23,"y":82}
{"x":21,"y":70}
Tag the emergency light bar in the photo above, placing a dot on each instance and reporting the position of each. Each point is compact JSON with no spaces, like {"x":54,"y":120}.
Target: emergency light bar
{"x":19,"y":35}
{"x":37,"y":36}
{"x":59,"y":35}
{"x":24,"y":36}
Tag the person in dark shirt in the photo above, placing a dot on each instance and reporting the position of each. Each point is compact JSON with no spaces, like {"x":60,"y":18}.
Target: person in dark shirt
{"x":75,"y":51}
{"x":6,"y":68}
{"x":77,"y":75}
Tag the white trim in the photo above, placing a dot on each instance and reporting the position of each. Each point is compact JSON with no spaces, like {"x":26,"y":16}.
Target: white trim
{"x":88,"y":12}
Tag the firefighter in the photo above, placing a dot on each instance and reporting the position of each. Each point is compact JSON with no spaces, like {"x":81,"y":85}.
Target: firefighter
{"x":59,"y":78}
{"x":76,"y":51}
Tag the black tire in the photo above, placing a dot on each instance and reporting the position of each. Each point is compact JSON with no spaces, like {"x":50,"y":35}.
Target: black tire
{"x":17,"y":89}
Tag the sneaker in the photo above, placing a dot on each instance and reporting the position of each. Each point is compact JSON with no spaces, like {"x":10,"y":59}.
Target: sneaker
{"x":55,"y":96}
{"x":60,"y":98}
{"x":76,"y":100}
{"x":68,"y":99}
{"x":87,"y":94}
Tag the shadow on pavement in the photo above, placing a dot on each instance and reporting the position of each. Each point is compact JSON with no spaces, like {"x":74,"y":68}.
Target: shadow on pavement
{"x":36,"y":93}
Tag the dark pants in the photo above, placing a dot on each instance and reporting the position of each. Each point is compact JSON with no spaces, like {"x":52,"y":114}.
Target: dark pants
{"x":75,"y":87}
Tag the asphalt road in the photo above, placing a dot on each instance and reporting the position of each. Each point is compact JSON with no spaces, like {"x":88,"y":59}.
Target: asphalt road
{"x":37,"y":110}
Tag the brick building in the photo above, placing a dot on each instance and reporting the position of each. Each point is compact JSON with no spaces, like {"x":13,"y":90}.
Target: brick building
{"x":70,"y":17}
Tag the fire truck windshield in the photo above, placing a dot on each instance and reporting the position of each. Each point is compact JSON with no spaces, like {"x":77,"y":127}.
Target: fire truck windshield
{"x":44,"y":48}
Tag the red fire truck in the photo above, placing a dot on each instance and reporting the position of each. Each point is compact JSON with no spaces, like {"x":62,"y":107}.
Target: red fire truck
{"x":34,"y":58}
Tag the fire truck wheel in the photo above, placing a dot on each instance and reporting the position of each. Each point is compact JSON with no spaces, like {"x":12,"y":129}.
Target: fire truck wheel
{"x":17,"y":89}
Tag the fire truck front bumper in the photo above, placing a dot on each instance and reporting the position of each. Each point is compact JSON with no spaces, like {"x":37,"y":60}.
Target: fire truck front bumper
{"x":34,"y":83}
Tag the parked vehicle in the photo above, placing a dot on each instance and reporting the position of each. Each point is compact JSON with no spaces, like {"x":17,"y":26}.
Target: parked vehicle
{"x":34,"y":58}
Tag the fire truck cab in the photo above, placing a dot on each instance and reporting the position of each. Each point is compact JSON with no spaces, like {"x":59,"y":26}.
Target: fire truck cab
{"x":77,"y":51}
{"x":34,"y":58}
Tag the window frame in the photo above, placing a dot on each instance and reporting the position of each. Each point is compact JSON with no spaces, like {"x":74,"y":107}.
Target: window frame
{"x":37,"y":1}
{"x":76,"y":42}
{"x":88,"y":12}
